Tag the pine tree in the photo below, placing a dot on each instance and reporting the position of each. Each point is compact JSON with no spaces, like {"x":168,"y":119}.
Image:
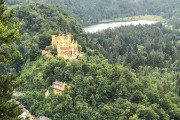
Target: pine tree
{"x":9,"y":109}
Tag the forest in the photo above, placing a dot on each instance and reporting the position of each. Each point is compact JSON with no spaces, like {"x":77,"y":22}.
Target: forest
{"x":135,"y":46}
{"x":109,"y":9}
{"x":130,"y":72}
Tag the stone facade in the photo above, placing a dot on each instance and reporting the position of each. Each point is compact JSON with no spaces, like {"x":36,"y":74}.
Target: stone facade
{"x":66,"y":48}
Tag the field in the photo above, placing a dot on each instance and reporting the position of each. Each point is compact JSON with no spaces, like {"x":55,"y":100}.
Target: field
{"x":135,"y":18}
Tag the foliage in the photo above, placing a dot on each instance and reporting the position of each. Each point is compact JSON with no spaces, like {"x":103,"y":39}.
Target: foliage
{"x":40,"y":21}
{"x":127,"y":73}
{"x":9,"y":110}
{"x":136,"y":46}
{"x":110,"y":9}
{"x":97,"y":90}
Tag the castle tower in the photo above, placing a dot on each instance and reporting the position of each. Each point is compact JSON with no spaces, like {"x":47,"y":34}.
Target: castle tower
{"x":53,"y":42}
{"x":68,"y":37}
{"x":61,"y":40}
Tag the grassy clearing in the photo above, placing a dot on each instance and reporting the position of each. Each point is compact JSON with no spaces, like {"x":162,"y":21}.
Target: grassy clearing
{"x":135,"y":18}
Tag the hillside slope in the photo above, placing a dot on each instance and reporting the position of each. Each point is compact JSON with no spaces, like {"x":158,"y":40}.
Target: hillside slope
{"x":93,"y":11}
{"x":97,"y":90}
{"x":39,"y":22}
{"x":144,"y":88}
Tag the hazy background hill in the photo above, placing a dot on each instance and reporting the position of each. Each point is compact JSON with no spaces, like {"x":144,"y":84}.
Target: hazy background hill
{"x":91,"y":12}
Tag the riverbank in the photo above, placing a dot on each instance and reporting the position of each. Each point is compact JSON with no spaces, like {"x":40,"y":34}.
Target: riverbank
{"x":135,"y":18}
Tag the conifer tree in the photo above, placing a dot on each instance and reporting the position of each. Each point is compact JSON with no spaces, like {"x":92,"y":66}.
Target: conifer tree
{"x":9,"y":32}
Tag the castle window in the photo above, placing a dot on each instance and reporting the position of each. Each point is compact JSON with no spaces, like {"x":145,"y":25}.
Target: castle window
{"x":70,"y":53}
{"x":58,"y":87}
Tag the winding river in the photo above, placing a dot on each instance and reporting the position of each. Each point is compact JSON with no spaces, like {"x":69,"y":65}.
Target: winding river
{"x":103,"y":26}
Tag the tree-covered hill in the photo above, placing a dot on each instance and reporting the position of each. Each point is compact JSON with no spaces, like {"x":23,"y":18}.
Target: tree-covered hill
{"x":127,"y":73}
{"x":135,"y":46}
{"x":39,"y":22}
{"x":40,"y":18}
{"x":98,"y":90}
{"x":93,"y":11}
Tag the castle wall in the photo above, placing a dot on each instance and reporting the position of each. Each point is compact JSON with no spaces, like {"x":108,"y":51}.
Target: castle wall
{"x":46,"y":53}
{"x":65,"y":47}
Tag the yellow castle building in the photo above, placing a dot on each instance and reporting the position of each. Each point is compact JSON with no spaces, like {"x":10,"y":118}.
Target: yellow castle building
{"x":58,"y":87}
{"x":66,"y":48}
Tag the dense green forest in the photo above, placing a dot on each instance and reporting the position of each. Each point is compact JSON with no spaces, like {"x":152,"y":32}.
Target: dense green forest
{"x":99,"y":90}
{"x":136,"y":46}
{"x":93,"y":11}
{"x":131,"y":72}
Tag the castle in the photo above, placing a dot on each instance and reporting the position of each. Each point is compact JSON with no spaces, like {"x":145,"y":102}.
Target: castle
{"x":66,"y":48}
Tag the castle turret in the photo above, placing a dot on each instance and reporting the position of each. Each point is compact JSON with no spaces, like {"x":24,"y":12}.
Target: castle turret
{"x":68,"y":36}
{"x":53,"y":42}
{"x":61,"y":40}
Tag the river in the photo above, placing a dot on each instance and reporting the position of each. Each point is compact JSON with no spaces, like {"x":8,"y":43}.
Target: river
{"x":103,"y":26}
